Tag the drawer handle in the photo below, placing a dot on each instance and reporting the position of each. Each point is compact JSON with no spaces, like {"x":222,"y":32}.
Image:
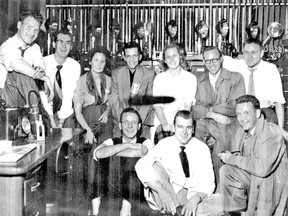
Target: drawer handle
{"x":35,"y":186}
{"x":35,"y":213}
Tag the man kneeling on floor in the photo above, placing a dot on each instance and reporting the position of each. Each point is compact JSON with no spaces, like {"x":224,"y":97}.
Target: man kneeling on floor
{"x":178,"y":172}
{"x":120,"y":174}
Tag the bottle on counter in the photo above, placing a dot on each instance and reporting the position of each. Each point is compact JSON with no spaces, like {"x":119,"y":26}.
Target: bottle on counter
{"x":40,"y":129}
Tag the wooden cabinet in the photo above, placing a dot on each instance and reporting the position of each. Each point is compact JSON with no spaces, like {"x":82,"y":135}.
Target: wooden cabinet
{"x":24,"y":194}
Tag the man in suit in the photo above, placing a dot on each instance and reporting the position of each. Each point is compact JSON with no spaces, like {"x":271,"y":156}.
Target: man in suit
{"x":132,"y":80}
{"x":214,"y":111}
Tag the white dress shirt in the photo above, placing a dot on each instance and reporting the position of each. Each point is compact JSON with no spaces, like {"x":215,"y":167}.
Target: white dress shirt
{"x":167,"y":153}
{"x":70,"y":73}
{"x":267,"y":80}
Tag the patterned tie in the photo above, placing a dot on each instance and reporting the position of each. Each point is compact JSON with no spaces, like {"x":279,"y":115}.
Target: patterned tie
{"x":57,"y":100}
{"x":184,"y":161}
{"x":251,"y":86}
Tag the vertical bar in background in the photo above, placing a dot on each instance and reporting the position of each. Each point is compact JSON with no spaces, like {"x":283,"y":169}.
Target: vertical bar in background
{"x":179,"y":20}
{"x":85,"y":29}
{"x":123,"y":25}
{"x":260,"y":20}
{"x":108,"y":11}
{"x":102,"y":26}
{"x":190,"y":48}
{"x":129,"y":23}
{"x":81,"y":25}
{"x":163,"y":28}
{"x":214,"y":22}
{"x":244,"y":22}
{"x":158,"y":26}
{"x":186,"y":29}
{"x":236,"y":29}
{"x":231,"y":26}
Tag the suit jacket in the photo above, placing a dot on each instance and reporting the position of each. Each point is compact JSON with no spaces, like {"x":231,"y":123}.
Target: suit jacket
{"x":229,"y":86}
{"x":120,"y":91}
{"x":268,"y":167}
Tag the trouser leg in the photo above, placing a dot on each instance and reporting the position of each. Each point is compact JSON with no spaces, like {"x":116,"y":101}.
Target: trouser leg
{"x":234,"y":186}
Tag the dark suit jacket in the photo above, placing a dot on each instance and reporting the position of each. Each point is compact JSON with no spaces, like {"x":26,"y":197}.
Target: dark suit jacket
{"x":120,"y":91}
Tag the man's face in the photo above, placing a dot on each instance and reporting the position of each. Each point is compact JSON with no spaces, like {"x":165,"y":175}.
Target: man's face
{"x":252,"y":54}
{"x":183,"y":129}
{"x":28,"y":29}
{"x":212,"y":61}
{"x":132,"y":57}
{"x":247,"y":115}
{"x":63,"y":45}
{"x":141,"y":32}
{"x":129,"y":125}
{"x":254,"y":32}
{"x":172,"y":58}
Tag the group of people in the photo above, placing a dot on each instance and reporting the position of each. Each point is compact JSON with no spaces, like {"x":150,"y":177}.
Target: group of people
{"x":217,"y":148}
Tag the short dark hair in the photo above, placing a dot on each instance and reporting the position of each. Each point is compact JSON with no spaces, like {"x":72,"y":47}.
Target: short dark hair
{"x":248,"y":98}
{"x":130,"y":110}
{"x":253,"y":41}
{"x":98,"y":49}
{"x":31,"y":13}
{"x":184,"y":114}
{"x":220,"y":25}
{"x":64,"y":32}
{"x":171,"y":23}
{"x":209,"y":48}
{"x":130,"y":45}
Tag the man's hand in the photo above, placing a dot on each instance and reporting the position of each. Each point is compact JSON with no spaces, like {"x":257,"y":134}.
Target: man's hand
{"x":104,"y":117}
{"x":190,"y":207}
{"x":89,"y":137}
{"x":221,"y":118}
{"x":224,"y":156}
{"x":167,"y":201}
{"x":144,"y":150}
{"x":48,"y":88}
{"x":167,"y":127}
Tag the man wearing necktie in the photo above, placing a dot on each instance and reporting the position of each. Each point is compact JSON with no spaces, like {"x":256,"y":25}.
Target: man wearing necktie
{"x":177,"y":173}
{"x":262,"y":79}
{"x":254,"y":175}
{"x":64,"y":73}
{"x":23,"y":61}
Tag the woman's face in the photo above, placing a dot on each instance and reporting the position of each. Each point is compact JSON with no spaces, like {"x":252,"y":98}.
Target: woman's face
{"x":98,"y":62}
{"x":172,"y":30}
{"x":224,"y":29}
{"x":172,"y":58}
{"x":203,"y":32}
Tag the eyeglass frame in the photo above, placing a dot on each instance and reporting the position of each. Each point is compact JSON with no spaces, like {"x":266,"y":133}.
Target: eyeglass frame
{"x":214,"y":60}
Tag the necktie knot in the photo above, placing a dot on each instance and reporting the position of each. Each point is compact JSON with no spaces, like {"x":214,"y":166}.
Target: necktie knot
{"x":22,"y":50}
{"x":182,"y":148}
{"x":59,"y":67}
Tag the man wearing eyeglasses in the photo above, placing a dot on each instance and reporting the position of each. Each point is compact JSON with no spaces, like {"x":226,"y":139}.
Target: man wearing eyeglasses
{"x":123,"y":153}
{"x":65,"y":70}
{"x":214,"y":111}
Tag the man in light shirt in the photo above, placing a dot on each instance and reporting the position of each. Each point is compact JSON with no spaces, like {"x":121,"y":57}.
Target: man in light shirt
{"x":262,"y":79}
{"x":69,"y":72}
{"x":172,"y":183}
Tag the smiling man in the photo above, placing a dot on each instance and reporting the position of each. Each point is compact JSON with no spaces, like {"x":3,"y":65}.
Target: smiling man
{"x":23,"y":61}
{"x":257,"y":162}
{"x":262,"y":79}
{"x":63,"y":72}
{"x":214,"y":111}
{"x":177,"y":173}
{"x":126,"y":150}
{"x":130,"y":81}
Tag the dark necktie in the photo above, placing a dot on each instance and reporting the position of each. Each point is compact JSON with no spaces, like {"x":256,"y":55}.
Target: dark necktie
{"x":244,"y":147}
{"x":22,"y":51}
{"x":184,"y":161}
{"x":251,"y":86}
{"x":57,"y":100}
